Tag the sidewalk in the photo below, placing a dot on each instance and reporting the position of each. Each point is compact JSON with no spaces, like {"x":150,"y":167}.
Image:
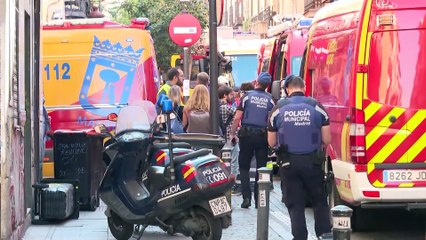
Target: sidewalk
{"x":93,"y":225}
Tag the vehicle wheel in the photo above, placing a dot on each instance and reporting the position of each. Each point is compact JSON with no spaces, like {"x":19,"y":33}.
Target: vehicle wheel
{"x":211,"y":228}
{"x":120,"y":229}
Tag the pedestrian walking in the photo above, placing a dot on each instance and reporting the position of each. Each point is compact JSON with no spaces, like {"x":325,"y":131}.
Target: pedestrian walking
{"x":227,"y":111}
{"x":253,"y":114}
{"x":175,"y":76}
{"x":300,"y":126}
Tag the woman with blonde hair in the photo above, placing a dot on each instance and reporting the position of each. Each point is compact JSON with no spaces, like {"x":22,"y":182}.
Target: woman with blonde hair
{"x":196,"y":111}
{"x":175,"y":95}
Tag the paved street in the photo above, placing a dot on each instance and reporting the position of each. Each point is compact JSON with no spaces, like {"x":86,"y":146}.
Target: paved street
{"x":93,"y":225}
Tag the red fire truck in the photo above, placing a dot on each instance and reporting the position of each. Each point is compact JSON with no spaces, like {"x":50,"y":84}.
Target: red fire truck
{"x":366,"y":63}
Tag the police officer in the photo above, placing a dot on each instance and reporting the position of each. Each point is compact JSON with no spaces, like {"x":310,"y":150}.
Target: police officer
{"x":300,"y":126}
{"x":253,"y":113}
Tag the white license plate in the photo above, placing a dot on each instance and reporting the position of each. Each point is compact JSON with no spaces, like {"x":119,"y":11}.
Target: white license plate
{"x":404,"y":175}
{"x":219,"y":206}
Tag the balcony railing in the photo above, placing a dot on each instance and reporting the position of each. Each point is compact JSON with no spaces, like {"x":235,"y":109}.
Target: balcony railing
{"x":264,"y":15}
{"x":315,"y":4}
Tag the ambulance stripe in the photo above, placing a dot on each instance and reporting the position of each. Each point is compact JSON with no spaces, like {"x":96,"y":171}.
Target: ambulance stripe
{"x":378,"y":117}
{"x":397,"y":139}
{"x":382,"y":126}
{"x":384,"y":152}
{"x":371,"y":109}
{"x":377,"y":183}
{"x":417,"y":148}
{"x":361,"y":55}
{"x":400,"y":153}
{"x":406,"y":185}
{"x":344,"y":141}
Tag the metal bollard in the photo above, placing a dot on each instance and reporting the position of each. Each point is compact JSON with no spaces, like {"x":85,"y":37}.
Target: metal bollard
{"x":264,"y":186}
{"x":341,"y":222}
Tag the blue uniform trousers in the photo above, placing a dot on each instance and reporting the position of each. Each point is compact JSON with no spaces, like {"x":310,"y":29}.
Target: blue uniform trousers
{"x":253,"y":145}
{"x":299,"y":179}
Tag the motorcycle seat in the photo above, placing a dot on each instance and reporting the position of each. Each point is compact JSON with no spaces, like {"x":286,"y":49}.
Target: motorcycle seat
{"x":191,"y":155}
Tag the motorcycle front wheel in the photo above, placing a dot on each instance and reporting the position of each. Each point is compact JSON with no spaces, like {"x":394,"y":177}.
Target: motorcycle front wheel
{"x":211,"y":228}
{"x":120,"y":229}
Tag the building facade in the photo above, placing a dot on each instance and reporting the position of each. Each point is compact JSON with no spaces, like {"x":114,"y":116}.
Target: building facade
{"x":20,"y":108}
{"x":259,"y":15}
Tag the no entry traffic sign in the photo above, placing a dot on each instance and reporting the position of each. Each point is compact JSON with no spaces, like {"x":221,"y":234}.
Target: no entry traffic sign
{"x":185,"y":29}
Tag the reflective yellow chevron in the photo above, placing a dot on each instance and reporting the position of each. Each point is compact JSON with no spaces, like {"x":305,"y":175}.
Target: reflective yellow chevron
{"x":382,"y":126}
{"x":412,"y":124}
{"x":377,"y":183}
{"x":371,"y":109}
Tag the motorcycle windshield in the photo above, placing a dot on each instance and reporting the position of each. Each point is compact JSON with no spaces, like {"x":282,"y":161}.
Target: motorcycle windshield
{"x":138,"y":115}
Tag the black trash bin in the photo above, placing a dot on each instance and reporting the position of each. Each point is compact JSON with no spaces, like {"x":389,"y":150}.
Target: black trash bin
{"x":78,"y":155}
{"x":202,"y":140}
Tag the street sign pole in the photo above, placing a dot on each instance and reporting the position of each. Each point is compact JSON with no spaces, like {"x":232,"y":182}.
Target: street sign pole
{"x":186,"y":61}
{"x":214,"y":100}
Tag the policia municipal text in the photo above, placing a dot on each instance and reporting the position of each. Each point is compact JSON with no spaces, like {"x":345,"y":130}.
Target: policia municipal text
{"x":300,"y":126}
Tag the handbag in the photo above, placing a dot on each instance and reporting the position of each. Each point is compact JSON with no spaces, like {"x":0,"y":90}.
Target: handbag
{"x":176,"y":125}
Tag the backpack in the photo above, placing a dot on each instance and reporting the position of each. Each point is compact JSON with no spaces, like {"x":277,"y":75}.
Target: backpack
{"x":198,"y":122}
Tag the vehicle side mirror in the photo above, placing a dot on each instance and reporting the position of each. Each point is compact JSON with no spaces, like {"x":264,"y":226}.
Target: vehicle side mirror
{"x":101,"y":128}
{"x":276,"y":89}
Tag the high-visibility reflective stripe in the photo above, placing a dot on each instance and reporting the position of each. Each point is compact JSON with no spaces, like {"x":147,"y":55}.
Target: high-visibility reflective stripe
{"x":417,"y":147}
{"x":362,"y":55}
{"x":386,"y":150}
{"x":406,"y":185}
{"x":344,"y":141}
{"x":371,"y":109}
{"x":377,"y":183}
{"x":381,"y":127}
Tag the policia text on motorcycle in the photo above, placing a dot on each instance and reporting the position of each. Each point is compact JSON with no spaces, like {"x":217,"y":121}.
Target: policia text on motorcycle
{"x":253,"y":113}
{"x":300,"y":126}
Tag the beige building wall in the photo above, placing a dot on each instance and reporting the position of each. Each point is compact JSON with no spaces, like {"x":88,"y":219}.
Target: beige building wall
{"x":18,"y":103}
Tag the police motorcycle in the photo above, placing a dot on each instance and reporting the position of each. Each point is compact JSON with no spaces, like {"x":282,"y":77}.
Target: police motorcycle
{"x":161,"y":184}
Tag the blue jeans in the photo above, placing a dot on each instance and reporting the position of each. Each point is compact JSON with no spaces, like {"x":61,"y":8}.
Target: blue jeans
{"x":234,"y":161}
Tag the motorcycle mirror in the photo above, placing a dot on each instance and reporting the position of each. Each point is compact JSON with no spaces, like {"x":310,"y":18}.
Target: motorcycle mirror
{"x":112,"y":117}
{"x":101,"y":128}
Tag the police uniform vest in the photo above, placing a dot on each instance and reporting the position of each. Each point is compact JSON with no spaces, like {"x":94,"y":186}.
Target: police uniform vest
{"x":300,"y":127}
{"x":257,"y":105}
